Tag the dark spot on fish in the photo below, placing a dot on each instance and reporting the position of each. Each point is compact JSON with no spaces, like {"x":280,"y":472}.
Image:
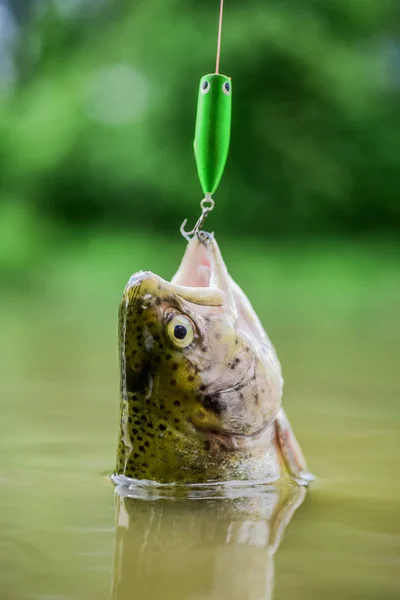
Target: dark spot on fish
{"x":241,"y":396}
{"x":137,"y":422}
{"x":156,"y":337}
{"x":162,"y":427}
{"x":147,"y":444}
{"x":139,"y":437}
{"x":138,"y":381}
{"x":157,"y":359}
{"x":130,"y":379}
{"x":177,"y":403}
{"x":139,"y":329}
{"x":129,"y":419}
{"x":142,"y":448}
{"x":211,"y":402}
{"x":202,"y":387}
{"x":174,"y":367}
{"x":190,"y":378}
{"x":134,"y":352}
{"x":237,"y":361}
{"x":143,"y":418}
{"x":207,"y":445}
{"x":168,"y":357}
{"x":135,"y":409}
{"x":134,"y":431}
{"x":173,"y":382}
{"x":136,"y":455}
{"x":177,"y":421}
{"x":161,"y":346}
{"x":203,"y":349}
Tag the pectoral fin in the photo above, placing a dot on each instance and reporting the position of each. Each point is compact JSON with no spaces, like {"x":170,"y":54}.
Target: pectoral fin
{"x":289,"y":447}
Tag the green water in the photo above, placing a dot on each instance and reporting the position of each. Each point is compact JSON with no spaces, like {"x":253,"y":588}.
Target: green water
{"x":333,"y":314}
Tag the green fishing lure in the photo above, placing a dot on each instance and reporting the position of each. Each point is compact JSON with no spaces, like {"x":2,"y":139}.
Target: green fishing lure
{"x":212,"y":134}
{"x":213,"y":129}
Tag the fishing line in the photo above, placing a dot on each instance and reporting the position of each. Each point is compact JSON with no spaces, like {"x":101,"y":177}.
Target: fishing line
{"x":221,"y":13}
{"x":212,"y":133}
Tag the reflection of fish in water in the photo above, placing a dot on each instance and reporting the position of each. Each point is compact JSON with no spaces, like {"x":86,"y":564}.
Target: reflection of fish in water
{"x":210,"y":549}
{"x":200,"y":381}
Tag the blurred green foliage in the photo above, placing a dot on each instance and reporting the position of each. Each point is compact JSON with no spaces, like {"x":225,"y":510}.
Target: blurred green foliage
{"x":96,"y":128}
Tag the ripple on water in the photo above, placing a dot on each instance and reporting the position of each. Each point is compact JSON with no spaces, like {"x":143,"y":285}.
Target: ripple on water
{"x":146,"y":489}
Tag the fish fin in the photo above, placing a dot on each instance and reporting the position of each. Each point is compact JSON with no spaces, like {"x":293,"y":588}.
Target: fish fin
{"x":290,"y":499}
{"x":290,"y":450}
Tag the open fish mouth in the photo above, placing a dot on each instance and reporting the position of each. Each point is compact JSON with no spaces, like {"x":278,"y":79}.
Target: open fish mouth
{"x":231,"y":440}
{"x":202,"y":277}
{"x":202,"y":265}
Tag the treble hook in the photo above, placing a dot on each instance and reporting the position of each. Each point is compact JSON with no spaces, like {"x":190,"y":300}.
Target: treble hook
{"x":206,"y":205}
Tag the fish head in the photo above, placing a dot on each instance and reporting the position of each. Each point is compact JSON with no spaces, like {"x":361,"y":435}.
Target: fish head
{"x":197,"y":369}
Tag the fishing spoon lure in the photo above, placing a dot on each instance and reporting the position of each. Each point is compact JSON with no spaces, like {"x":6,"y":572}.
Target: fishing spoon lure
{"x":212,"y":133}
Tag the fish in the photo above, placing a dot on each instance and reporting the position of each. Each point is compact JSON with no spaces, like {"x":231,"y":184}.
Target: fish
{"x":200,"y":381}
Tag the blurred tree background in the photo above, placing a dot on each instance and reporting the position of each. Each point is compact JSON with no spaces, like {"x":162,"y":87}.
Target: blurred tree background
{"x":97,"y":112}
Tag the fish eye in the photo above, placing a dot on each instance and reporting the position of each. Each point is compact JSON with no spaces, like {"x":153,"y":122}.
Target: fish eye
{"x":180,"y":331}
{"x":226,"y":88}
{"x":205,"y":86}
